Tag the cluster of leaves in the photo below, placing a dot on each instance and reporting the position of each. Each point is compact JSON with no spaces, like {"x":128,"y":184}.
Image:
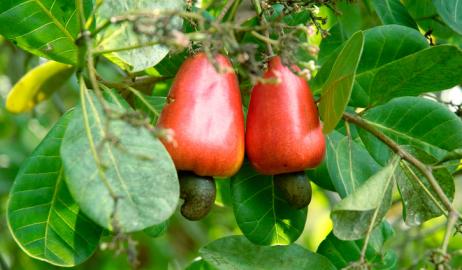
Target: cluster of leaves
{"x":89,"y":176}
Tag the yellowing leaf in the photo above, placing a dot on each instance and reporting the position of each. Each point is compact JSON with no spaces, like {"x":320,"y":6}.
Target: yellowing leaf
{"x":37,"y":85}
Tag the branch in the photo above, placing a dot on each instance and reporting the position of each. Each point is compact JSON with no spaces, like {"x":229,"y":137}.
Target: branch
{"x":225,"y":10}
{"x":140,"y":81}
{"x":452,"y":219}
{"x":261,"y":16}
{"x":426,"y":170}
{"x":265,"y":39}
{"x":85,"y":36}
{"x":423,"y":168}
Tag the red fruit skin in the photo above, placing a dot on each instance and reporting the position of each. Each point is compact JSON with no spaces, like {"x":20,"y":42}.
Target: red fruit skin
{"x":204,"y":111}
{"x":283,"y":132}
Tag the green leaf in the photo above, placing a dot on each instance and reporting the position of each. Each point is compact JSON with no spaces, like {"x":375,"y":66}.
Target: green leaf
{"x":112,"y":96}
{"x":329,"y":50}
{"x":433,"y":69}
{"x":134,"y":167}
{"x":348,"y":163}
{"x":455,"y":154}
{"x":123,"y":35}
{"x":331,"y":44}
{"x":341,"y":253}
{"x":236,"y":252}
{"x":380,"y":236}
{"x":426,"y":16}
{"x":45,"y":28}
{"x":261,"y":213}
{"x":43,"y":218}
{"x":366,"y":206}
{"x":158,"y":229}
{"x":151,"y":105}
{"x":322,"y":75}
{"x":393,"y":12}
{"x":320,"y":176}
{"x":223,"y":197}
{"x":414,"y":121}
{"x":200,"y":264}
{"x":171,"y":63}
{"x":383,"y":45}
{"x":420,"y":201}
{"x":450,"y":12}
{"x":337,"y":89}
{"x":380,"y":48}
{"x":387,"y":43}
{"x":352,"y":18}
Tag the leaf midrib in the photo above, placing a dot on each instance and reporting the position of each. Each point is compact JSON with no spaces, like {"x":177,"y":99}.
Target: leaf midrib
{"x":387,"y":3}
{"x":388,"y":182}
{"x":391,"y":130}
{"x":274,"y":210}
{"x":52,"y":203}
{"x":54,"y":20}
{"x":109,"y":150}
{"x":338,"y":165}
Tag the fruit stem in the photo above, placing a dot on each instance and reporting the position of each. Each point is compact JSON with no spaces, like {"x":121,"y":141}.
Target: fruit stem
{"x":225,"y":10}
{"x":261,"y":16}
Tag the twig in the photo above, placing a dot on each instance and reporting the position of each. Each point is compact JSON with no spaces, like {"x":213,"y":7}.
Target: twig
{"x":140,"y":81}
{"x":424,"y":169}
{"x":90,"y":65}
{"x":145,"y":102}
{"x":91,"y":142}
{"x":263,"y":21}
{"x":266,"y":39}
{"x":225,"y":10}
{"x":452,"y":219}
{"x":86,"y":37}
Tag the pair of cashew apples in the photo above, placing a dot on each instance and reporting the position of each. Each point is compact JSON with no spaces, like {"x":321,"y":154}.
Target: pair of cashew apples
{"x":282,"y":135}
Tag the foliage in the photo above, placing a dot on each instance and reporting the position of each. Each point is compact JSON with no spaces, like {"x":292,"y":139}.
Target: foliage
{"x":84,"y":175}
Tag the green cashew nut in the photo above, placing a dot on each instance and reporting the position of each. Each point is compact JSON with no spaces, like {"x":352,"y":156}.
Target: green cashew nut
{"x":198,"y":193}
{"x":295,"y":188}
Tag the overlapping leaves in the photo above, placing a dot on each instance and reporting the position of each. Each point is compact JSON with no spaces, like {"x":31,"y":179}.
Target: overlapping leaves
{"x":341,"y":253}
{"x":120,"y":182}
{"x":415,"y":121}
{"x":420,"y":201}
{"x":450,"y":12}
{"x":44,"y":219}
{"x":433,"y":69}
{"x":44,"y":28}
{"x":348,"y":163}
{"x":141,"y":51}
{"x":365,"y":208}
{"x":337,"y":88}
{"x":236,"y":252}
{"x":393,"y":12}
{"x":427,"y":16}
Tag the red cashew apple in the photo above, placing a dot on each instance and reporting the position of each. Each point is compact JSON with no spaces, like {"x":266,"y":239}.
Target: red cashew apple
{"x":283,"y":133}
{"x":204,"y":111}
